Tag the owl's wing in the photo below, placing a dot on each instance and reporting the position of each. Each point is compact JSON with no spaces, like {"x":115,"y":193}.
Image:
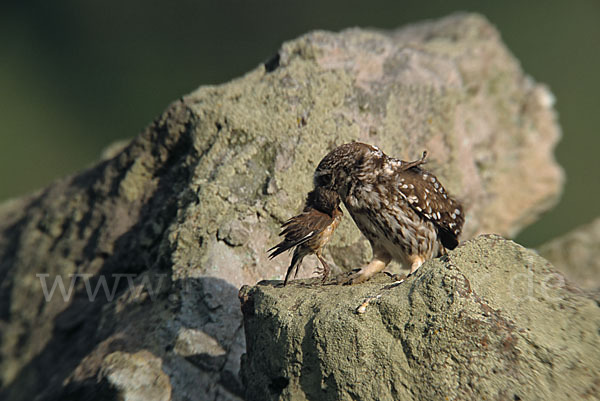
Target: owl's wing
{"x":300,"y":229}
{"x":426,"y":195}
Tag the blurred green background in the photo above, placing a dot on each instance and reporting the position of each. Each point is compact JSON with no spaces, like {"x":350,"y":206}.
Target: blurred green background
{"x":78,"y":75}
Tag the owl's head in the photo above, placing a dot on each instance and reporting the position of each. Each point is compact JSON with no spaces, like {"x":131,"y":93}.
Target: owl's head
{"x":346,"y":164}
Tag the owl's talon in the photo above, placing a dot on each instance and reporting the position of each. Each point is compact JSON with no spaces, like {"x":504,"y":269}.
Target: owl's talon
{"x":348,"y":281}
{"x":356,"y":278}
{"x":397,"y":277}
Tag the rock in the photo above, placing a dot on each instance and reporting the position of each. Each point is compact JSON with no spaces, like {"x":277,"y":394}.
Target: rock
{"x":577,"y":255}
{"x":492,"y":320}
{"x":178,"y":220}
{"x":143,"y":370}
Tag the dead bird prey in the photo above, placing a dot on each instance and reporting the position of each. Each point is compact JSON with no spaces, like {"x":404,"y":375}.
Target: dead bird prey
{"x":311,"y":230}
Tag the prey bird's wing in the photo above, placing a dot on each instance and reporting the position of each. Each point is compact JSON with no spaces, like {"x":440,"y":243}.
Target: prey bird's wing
{"x":301,"y":229}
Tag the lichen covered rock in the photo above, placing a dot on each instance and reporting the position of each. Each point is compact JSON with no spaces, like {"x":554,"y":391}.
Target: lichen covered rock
{"x":492,"y":320}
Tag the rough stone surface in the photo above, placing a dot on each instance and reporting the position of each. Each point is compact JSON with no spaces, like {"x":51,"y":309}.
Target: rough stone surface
{"x":179,"y":219}
{"x":577,"y":255}
{"x":143,"y":370}
{"x":491,"y":321}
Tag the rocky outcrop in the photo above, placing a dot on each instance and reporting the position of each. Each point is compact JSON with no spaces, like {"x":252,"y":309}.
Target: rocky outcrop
{"x":492,"y":320}
{"x":577,"y":256}
{"x":179,"y":219}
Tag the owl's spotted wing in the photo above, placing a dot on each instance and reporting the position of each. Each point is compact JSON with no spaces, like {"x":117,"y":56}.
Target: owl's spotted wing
{"x":301,"y":229}
{"x":426,"y":195}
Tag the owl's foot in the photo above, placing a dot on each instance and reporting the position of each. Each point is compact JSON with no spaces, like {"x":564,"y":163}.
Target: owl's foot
{"x":356,"y":278}
{"x":374,"y":267}
{"x":397,"y":277}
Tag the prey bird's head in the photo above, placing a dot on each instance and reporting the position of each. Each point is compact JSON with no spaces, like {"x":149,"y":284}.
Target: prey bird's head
{"x":323,"y":199}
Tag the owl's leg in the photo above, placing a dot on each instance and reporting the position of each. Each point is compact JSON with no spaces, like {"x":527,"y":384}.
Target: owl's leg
{"x":380,"y":260}
{"x":416,"y":262}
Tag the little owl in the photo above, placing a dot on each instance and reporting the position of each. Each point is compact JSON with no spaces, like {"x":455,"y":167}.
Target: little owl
{"x":402,"y":209}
